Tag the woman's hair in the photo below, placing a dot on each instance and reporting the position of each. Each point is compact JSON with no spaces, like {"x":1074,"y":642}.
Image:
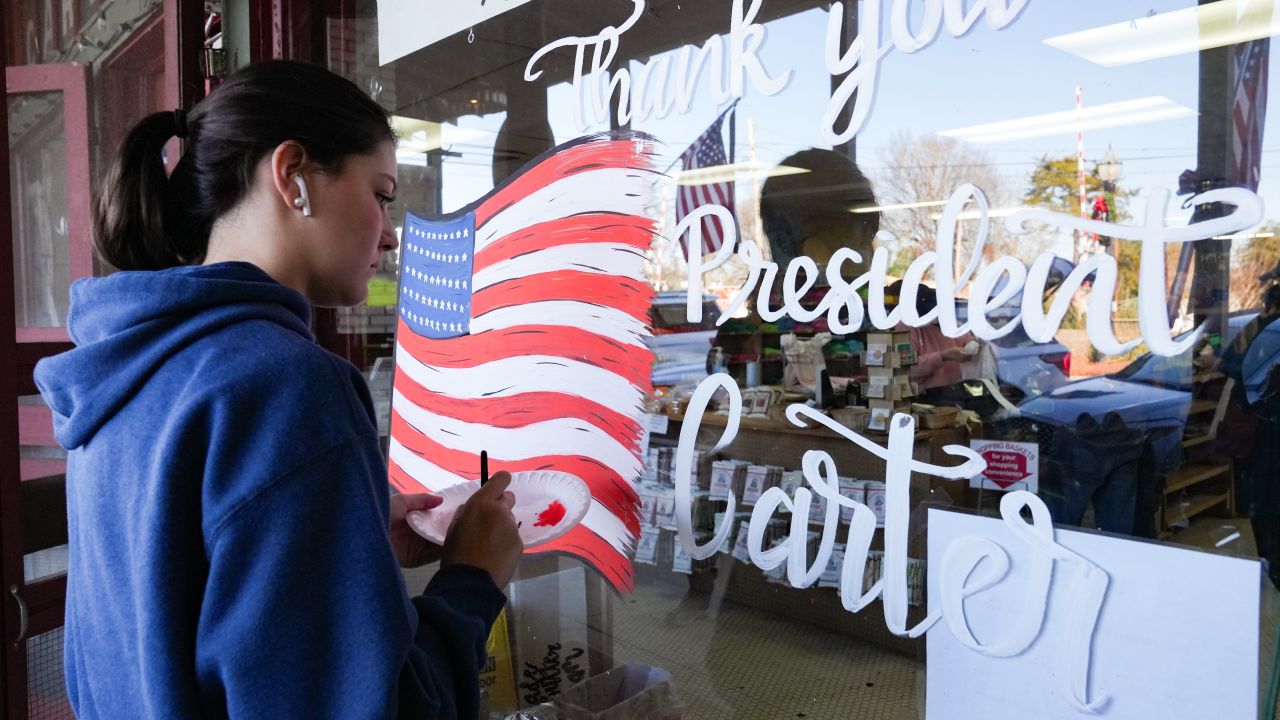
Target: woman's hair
{"x":145,"y":221}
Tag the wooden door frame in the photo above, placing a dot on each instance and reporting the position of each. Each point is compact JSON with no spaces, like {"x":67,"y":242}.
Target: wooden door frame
{"x":72,"y":82}
{"x":10,"y":457}
{"x":42,"y":604}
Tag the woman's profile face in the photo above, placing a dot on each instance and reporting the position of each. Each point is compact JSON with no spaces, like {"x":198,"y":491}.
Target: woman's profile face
{"x":352,"y":228}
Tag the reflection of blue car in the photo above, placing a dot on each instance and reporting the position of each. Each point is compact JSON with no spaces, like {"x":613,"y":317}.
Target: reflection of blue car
{"x":1152,"y":393}
{"x":1262,"y":355}
{"x":1027,"y":368}
{"x":1024,"y":367}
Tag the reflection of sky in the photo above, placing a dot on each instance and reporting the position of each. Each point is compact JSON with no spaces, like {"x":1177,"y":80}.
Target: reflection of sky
{"x":983,"y":77}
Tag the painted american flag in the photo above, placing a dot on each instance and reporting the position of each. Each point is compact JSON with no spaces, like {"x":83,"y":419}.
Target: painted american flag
{"x":707,"y":151}
{"x":522,"y":329}
{"x":1249,"y":110}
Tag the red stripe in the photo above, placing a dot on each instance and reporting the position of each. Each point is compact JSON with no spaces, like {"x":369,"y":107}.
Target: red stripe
{"x":581,"y":543}
{"x":517,"y":411}
{"x":629,"y":230}
{"x":631,"y":297}
{"x":627,"y":361}
{"x":591,"y":155}
{"x":606,"y":485}
{"x":403,"y":481}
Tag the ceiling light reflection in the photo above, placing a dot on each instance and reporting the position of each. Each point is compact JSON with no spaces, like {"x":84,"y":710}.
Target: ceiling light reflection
{"x":1116,"y":114}
{"x":1211,"y":25}
{"x":735,"y":171}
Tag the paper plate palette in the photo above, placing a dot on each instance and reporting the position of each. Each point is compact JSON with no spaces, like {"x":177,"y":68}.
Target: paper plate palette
{"x":548,"y":505}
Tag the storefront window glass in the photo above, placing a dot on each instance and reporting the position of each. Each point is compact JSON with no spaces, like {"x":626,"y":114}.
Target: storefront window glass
{"x":938,"y":274}
{"x":38,"y":185}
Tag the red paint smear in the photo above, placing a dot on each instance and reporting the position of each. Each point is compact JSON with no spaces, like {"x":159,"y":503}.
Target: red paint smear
{"x":551,"y":516}
{"x":628,"y":361}
{"x":590,"y":155}
{"x":629,"y":296}
{"x":636,"y":232}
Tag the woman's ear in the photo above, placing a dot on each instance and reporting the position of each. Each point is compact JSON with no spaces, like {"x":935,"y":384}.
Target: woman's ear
{"x":288,"y":160}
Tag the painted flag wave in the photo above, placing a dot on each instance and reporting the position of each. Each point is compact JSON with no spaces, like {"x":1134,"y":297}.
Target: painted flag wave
{"x":521,"y":331}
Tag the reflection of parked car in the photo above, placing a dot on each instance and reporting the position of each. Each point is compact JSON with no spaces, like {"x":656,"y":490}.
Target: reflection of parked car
{"x":679,"y":346}
{"x":1152,"y":393}
{"x":1024,"y":368}
{"x":1256,"y":364}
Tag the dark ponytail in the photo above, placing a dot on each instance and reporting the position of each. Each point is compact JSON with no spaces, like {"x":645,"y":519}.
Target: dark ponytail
{"x":146,"y":221}
{"x":129,"y":225}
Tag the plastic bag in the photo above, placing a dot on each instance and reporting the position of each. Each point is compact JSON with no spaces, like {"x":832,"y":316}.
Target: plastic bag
{"x":634,"y":691}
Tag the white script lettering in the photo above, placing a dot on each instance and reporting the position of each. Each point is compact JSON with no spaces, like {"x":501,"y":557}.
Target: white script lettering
{"x":659,"y":86}
{"x":1040,"y":326}
{"x":970,"y":564}
{"x":861,"y":60}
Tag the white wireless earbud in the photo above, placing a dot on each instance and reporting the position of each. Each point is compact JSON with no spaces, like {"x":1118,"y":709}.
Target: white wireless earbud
{"x":303,"y":200}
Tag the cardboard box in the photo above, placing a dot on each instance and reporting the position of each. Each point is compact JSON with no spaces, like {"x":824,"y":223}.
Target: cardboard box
{"x":886,"y":350}
{"x":882,"y":411}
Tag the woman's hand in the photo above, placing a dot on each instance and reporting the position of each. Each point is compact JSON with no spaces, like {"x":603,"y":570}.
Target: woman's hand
{"x":955,"y":354}
{"x":412,"y":550}
{"x":484,"y":532}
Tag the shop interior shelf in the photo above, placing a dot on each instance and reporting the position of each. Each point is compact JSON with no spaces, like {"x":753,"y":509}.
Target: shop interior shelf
{"x":774,"y":424}
{"x":1200,"y":406}
{"x":1195,"y":440}
{"x":1191,"y":474}
{"x":1196,"y":504}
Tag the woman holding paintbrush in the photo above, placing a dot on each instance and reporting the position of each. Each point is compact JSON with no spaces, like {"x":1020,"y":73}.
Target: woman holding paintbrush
{"x":234,"y":551}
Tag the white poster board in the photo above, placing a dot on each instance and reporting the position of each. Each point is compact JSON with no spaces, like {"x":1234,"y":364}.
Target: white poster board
{"x":408,"y":25}
{"x":1010,"y":465}
{"x":1177,"y":636}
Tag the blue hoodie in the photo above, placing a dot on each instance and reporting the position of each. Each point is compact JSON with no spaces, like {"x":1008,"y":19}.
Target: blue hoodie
{"x":228,"y":513}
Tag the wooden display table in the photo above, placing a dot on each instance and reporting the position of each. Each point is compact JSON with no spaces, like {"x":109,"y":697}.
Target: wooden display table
{"x":774,"y":441}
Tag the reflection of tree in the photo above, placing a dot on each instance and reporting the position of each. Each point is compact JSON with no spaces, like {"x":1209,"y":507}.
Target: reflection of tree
{"x":1250,"y":259}
{"x":925,"y":169}
{"x":930,"y":168}
{"x":1055,"y":185}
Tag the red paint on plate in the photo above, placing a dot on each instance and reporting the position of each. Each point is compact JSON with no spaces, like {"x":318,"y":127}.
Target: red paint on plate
{"x":551,"y":516}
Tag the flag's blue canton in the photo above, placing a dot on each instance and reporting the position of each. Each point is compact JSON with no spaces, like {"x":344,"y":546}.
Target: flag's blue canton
{"x":435,"y":275}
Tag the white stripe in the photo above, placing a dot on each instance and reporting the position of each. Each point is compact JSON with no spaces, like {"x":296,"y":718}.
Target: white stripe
{"x":599,"y":258}
{"x":525,"y":374}
{"x":562,"y":436}
{"x":599,"y":519}
{"x":612,"y":190}
{"x":609,"y":322}
{"x":609,"y":527}
{"x":430,"y":475}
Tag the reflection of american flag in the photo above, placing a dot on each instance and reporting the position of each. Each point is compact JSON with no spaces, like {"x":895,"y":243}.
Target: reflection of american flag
{"x":522,"y":332}
{"x":1249,"y":111}
{"x":707,"y":151}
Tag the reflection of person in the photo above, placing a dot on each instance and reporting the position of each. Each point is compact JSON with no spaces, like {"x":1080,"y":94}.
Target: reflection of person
{"x":1260,"y":461}
{"x":939,"y":359}
{"x":809,"y":212}
{"x":233,"y":546}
